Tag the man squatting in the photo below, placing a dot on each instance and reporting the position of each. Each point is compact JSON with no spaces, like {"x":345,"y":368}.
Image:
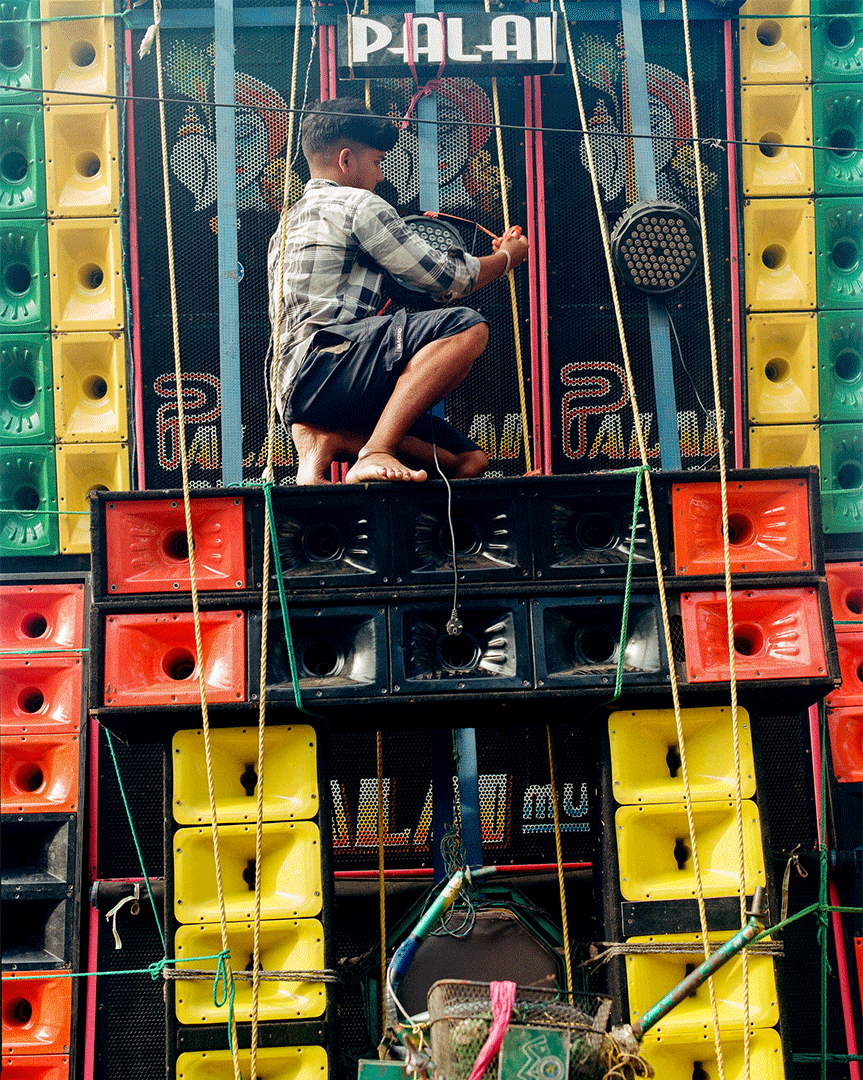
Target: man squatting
{"x":351,"y":383}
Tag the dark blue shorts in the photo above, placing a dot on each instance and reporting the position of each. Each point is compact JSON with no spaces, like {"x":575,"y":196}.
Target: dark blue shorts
{"x":350,"y":387}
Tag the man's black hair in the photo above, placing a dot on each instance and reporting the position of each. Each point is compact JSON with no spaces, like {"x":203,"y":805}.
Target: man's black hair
{"x":346,"y":119}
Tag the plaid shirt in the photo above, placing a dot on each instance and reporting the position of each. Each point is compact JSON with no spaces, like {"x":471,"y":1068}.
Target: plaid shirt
{"x":326,"y":284}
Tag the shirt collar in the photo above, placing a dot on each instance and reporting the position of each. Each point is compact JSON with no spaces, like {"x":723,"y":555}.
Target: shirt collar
{"x":318,"y":181}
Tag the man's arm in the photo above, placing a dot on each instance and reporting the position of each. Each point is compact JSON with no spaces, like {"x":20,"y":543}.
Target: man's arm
{"x":395,"y":246}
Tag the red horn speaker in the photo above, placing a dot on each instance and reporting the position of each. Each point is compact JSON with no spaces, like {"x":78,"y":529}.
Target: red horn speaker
{"x":151,"y":659}
{"x":147,"y":546}
{"x":39,"y":774}
{"x":846,"y":743}
{"x":849,"y":644}
{"x":41,"y":694}
{"x":42,"y":617}
{"x":768,"y":527}
{"x":777,"y":635}
{"x":37,"y":1015}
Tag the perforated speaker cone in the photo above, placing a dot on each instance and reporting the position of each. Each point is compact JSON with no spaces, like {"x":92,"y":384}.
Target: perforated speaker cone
{"x":656,"y":246}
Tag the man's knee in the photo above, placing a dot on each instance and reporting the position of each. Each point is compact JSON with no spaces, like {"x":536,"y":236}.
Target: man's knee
{"x":470,"y":463}
{"x":477,"y":336}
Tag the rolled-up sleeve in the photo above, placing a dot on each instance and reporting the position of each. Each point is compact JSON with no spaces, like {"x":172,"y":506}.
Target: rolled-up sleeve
{"x":395,"y":246}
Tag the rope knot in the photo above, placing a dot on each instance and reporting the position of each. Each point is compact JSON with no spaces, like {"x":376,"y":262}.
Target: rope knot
{"x":222,"y":976}
{"x":157,"y":967}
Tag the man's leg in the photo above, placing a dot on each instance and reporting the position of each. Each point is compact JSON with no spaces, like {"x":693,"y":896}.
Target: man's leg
{"x":432,"y":373}
{"x":318,"y":449}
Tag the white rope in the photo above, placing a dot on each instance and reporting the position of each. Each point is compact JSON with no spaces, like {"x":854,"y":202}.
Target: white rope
{"x":657,"y":554}
{"x":726,"y":554}
{"x":187,"y":508}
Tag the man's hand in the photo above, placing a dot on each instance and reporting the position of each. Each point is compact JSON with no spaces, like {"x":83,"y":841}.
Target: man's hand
{"x":514,"y":243}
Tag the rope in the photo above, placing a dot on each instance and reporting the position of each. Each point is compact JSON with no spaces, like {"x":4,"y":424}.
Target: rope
{"x":39,"y":652}
{"x":513,"y":300}
{"x":265,"y":590}
{"x":283,"y":600}
{"x":154,"y":970}
{"x":642,"y":448}
{"x":726,"y":551}
{"x":140,"y":854}
{"x":679,"y":948}
{"x":564,"y":922}
{"x":382,"y":891}
{"x":187,"y":508}
{"x":627,"y":589}
{"x":325,"y":975}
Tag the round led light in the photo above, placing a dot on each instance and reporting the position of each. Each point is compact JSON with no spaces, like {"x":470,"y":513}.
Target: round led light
{"x":656,"y":246}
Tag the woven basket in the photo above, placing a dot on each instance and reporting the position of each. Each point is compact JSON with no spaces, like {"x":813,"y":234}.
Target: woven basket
{"x":460,"y":1017}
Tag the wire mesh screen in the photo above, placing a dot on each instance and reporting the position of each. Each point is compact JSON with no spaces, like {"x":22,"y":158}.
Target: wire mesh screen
{"x":514,"y":792}
{"x":262,"y":86}
{"x":591,"y":414}
{"x":487,"y":406}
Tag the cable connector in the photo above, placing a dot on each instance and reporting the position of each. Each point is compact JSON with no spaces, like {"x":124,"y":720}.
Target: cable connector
{"x":455,"y":626}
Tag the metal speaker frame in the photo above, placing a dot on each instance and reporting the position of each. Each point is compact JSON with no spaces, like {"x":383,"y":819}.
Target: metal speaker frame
{"x":439,"y":234}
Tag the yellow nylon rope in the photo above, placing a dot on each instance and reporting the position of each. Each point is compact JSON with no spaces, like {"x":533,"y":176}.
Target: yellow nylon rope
{"x":723,"y":488}
{"x":265,"y":591}
{"x":648,"y":489}
{"x":513,"y":301}
{"x":558,"y":846}
{"x":187,"y":508}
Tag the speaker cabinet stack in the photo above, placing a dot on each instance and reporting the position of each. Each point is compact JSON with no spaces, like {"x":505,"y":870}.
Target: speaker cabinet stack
{"x":63,"y":422}
{"x":648,"y":897}
{"x":42,"y":659}
{"x":800,"y":74}
{"x":535,"y":569}
{"x":295,"y":1013}
{"x":149,"y":675}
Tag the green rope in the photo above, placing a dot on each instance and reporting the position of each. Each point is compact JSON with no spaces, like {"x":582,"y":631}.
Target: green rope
{"x":627,"y":592}
{"x":37,"y":652}
{"x":35,"y":513}
{"x":801,"y":914}
{"x":146,"y":876}
{"x":154,"y":970}
{"x":126,"y":16}
{"x":833,"y":1058}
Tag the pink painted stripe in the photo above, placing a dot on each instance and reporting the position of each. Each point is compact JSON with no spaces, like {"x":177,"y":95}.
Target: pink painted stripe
{"x":331,"y":44}
{"x":93,"y":937}
{"x":835,"y":917}
{"x":734,"y":268}
{"x":89,"y":1062}
{"x":322,"y":63}
{"x":844,"y":983}
{"x":533,"y":299}
{"x":134,"y":270}
{"x":542,"y":260}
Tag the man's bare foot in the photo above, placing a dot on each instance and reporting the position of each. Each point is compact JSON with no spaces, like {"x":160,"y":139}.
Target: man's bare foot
{"x":379,"y":465}
{"x":318,"y":449}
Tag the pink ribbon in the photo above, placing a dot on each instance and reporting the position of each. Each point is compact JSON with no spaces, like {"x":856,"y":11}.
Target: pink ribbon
{"x":502,"y":1001}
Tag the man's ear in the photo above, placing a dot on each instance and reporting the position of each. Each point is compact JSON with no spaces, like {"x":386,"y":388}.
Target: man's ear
{"x":344,"y":158}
